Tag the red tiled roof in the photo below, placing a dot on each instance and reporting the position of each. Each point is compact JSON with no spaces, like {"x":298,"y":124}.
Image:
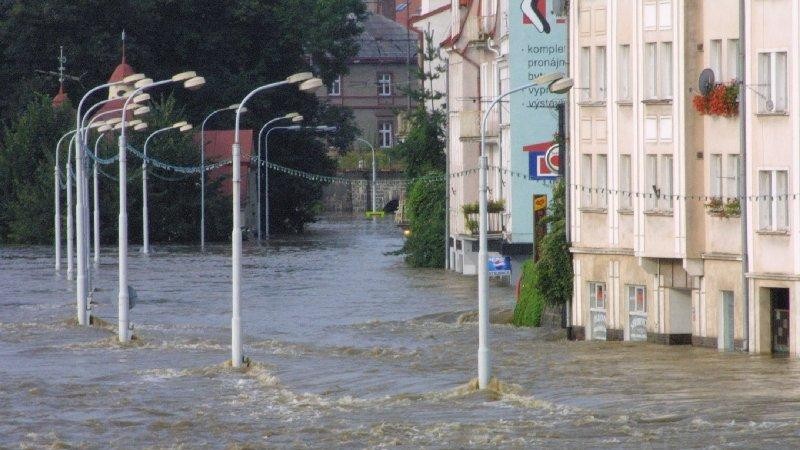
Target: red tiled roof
{"x":60,"y":98}
{"x":123,"y":70}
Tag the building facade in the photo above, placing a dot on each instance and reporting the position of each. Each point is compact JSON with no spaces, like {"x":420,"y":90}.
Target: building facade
{"x":658,"y":207}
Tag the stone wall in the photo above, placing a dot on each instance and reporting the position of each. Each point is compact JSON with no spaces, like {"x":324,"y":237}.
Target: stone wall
{"x":356,"y":197}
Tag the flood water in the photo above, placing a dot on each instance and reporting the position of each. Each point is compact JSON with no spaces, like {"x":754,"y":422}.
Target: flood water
{"x":350,"y":349}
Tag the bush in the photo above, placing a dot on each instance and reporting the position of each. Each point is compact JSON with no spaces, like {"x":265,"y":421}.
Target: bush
{"x":425,"y":206}
{"x":528,"y":311}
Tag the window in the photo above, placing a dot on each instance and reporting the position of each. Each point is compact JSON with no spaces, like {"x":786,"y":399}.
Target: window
{"x":772,"y":82}
{"x":600,"y":70}
{"x":715,"y":58}
{"x":665,"y":183}
{"x":715,"y":175}
{"x":624,"y":72}
{"x":734,"y":71}
{"x":597,"y":295}
{"x":385,"y":132}
{"x":773,"y":204}
{"x":665,"y":63}
{"x":601,"y":181}
{"x":665,"y":129}
{"x":651,"y":183}
{"x":732,"y":176}
{"x":586,"y":74}
{"x":637,"y":300}
{"x":384,"y":84}
{"x":336,"y":87}
{"x":625,"y":201}
{"x":664,"y":14}
{"x":657,"y":15}
{"x":586,"y":180}
{"x":650,"y":70}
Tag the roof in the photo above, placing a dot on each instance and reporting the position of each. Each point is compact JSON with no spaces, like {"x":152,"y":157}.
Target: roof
{"x":60,"y":98}
{"x":123,"y":70}
{"x":385,"y":39}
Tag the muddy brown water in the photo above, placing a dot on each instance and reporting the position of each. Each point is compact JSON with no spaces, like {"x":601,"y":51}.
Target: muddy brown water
{"x":350,"y":349}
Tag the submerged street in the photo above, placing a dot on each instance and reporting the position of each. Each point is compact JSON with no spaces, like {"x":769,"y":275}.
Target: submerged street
{"x":350,"y":349}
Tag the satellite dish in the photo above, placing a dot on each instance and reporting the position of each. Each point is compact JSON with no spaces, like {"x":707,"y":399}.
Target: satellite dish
{"x":706,"y":82}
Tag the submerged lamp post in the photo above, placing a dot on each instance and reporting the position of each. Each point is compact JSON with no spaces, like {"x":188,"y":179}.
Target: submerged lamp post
{"x":180,"y":126}
{"x":557,"y":84}
{"x":307,"y":83}
{"x":295,"y":118}
{"x":371,"y":147}
{"x":57,"y":195}
{"x":190,"y":81}
{"x":203,"y":171}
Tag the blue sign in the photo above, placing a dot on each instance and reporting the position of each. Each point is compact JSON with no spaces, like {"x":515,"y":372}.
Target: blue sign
{"x":500,"y":265}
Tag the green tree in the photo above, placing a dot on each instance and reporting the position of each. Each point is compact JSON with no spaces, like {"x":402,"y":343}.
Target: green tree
{"x":424,"y":247}
{"x":529,"y":307}
{"x":27,"y":157}
{"x":555,"y":263}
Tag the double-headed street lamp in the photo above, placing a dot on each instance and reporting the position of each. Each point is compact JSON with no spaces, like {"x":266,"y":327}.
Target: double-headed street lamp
{"x":371,"y":147}
{"x":295,"y":118}
{"x":233,"y":107}
{"x":190,"y":81}
{"x":307,"y":83}
{"x":180,"y":126}
{"x":557,"y":84}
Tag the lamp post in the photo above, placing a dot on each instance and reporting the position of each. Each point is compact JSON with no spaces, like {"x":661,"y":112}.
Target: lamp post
{"x":70,"y":212}
{"x":307,"y":82}
{"x":203,"y":171}
{"x":57,"y":198}
{"x":80,"y":235}
{"x":557,"y":84}
{"x":182,"y":126}
{"x":190,"y":81}
{"x":373,"y":171}
{"x":295,"y":118}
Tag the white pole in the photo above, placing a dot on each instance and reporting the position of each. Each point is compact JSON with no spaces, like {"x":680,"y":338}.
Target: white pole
{"x":57,"y":216}
{"x":122,"y":236}
{"x":80,"y":232}
{"x":70,"y":217}
{"x":266,"y":173}
{"x":145,"y":220}
{"x":203,"y":174}
{"x":96,"y":200}
{"x":373,"y":178}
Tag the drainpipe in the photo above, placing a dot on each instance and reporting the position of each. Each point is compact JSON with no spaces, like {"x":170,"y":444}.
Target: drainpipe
{"x":447,"y":171}
{"x":743,"y":179}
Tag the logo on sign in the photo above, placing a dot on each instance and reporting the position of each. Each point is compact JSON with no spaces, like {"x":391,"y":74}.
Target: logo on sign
{"x":538,"y":167}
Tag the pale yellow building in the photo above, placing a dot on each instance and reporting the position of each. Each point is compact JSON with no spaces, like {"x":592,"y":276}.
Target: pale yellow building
{"x":655,"y":229}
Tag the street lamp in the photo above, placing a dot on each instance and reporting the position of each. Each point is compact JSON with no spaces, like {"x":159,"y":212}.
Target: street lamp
{"x":557,"y":84}
{"x":57,"y":195}
{"x":181,"y":126}
{"x":295,"y":118}
{"x":307,"y":83}
{"x":232,"y":107}
{"x":373,"y":172}
{"x":190,"y":81}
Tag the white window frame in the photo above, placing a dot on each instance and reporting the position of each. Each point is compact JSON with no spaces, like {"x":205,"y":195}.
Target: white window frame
{"x":384,"y":84}
{"x":601,"y":180}
{"x":773,"y":202}
{"x":597,"y":302}
{"x":586,"y":180}
{"x":586,"y":73}
{"x":650,"y":62}
{"x":715,"y":184}
{"x":732,"y":162}
{"x":626,"y":200}
{"x":734,"y":69}
{"x":651,"y":171}
{"x":386,"y":133}
{"x":665,"y":66}
{"x":772,"y":82}
{"x":657,"y":14}
{"x":624,"y":72}
{"x":664,"y":14}
{"x":715,"y":58}
{"x":600,"y":63}
{"x":666,"y":186}
{"x":336,"y":87}
{"x":633,"y":302}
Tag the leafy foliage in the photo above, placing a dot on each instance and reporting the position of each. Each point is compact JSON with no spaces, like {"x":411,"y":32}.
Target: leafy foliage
{"x":27,"y":158}
{"x":425,"y":206}
{"x":554,"y":267}
{"x":529,"y":307}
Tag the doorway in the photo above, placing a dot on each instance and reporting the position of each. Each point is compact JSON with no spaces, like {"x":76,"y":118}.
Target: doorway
{"x":779,"y":306}
{"x":726,"y":330}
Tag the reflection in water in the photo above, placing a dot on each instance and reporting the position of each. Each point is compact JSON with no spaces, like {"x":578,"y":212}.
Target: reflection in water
{"x":350,"y":349}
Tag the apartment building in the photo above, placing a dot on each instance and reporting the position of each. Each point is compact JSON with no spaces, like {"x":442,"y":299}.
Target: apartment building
{"x":655,"y":164}
{"x":494,"y":46}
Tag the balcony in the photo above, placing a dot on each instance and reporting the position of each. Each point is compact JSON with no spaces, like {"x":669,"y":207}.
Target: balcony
{"x":470,"y":122}
{"x":495,"y":225}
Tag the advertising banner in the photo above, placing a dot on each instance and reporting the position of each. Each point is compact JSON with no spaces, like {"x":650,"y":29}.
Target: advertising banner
{"x":537,"y":46}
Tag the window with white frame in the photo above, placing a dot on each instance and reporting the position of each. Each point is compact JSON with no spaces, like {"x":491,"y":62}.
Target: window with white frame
{"x":665,"y":65}
{"x":732,"y":177}
{"x":772,"y":82}
{"x":601,"y":181}
{"x":658,"y":184}
{"x":597,"y":295}
{"x":773,"y":202}
{"x":715,"y":175}
{"x":715,"y":58}
{"x":734,"y":70}
{"x":625,"y":198}
{"x":586,"y":73}
{"x":385,"y":133}
{"x":600,"y":71}
{"x":637,"y":299}
{"x":650,"y":70}
{"x":586,"y":180}
{"x":723,"y":176}
{"x":384,"y":84}
{"x":624,"y":72}
{"x":651,"y":183}
{"x":665,"y":183}
{"x":336,"y":86}
{"x":657,"y":14}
